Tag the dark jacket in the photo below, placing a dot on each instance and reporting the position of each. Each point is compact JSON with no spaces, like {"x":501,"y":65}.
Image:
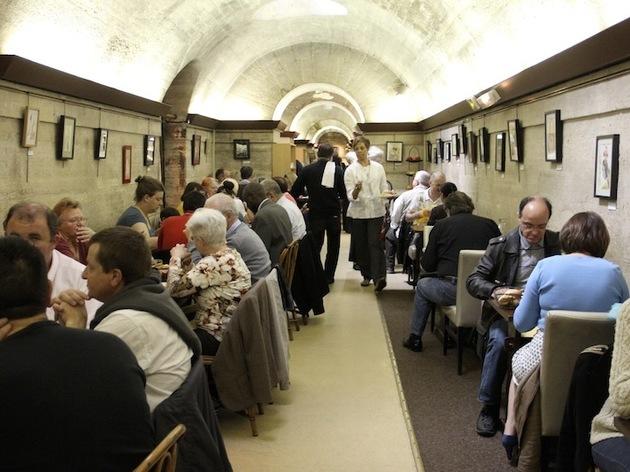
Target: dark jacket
{"x":273,"y":226}
{"x":323,"y":202}
{"x":499,"y":265}
{"x":451,"y":235}
{"x":309,"y":285}
{"x":150,"y":295}
{"x":201,"y":448}
{"x":437,"y":213}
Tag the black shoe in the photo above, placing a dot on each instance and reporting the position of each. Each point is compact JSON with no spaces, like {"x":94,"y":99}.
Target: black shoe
{"x":488,"y":422}
{"x":413,"y":343}
{"x":365,"y":282}
{"x":380,"y":285}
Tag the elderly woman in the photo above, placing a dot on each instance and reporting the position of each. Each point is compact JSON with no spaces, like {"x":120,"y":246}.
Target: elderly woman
{"x":148,"y":199}
{"x":579,"y":280}
{"x":217,"y":281}
{"x":72,"y":234}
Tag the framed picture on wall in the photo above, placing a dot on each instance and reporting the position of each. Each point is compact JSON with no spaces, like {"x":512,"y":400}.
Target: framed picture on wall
{"x":606,"y":166}
{"x":196,"y":149}
{"x":447,"y":150}
{"x":484,"y":145}
{"x":102,"y":136}
{"x":66,"y":131}
{"x":435,"y":155}
{"x":429,"y":150}
{"x":241,"y":149}
{"x":499,"y":156}
{"x":463,"y":141}
{"x":393,"y":151}
{"x":29,"y":130}
{"x":126,"y":164}
{"x":455,"y":145}
{"x":472,"y":147}
{"x":439,"y":144}
{"x":515,"y":141}
{"x":553,"y":136}
{"x":149,"y":150}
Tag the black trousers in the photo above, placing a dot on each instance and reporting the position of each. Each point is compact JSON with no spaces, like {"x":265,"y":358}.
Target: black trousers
{"x":391,"y":248}
{"x":367,"y":249}
{"x":331,"y":226}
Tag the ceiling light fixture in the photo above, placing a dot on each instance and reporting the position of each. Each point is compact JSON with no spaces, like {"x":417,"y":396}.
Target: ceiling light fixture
{"x":488,"y":99}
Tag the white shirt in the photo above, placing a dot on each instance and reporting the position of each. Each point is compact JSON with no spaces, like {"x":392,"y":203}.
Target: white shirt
{"x":368,"y":203}
{"x":402,"y":203}
{"x":66,"y":273}
{"x":298,"y":226}
{"x":159,"y":350}
{"x":424,"y":200}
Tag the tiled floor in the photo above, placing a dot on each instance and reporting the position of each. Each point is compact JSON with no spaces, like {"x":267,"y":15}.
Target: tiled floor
{"x":343,"y":411}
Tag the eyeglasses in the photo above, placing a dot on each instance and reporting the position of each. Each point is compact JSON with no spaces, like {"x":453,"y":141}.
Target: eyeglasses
{"x":530,"y":226}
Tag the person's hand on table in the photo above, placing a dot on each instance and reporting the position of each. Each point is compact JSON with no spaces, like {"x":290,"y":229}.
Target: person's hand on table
{"x":507,"y":296}
{"x":180,"y":251}
{"x":5,"y":328}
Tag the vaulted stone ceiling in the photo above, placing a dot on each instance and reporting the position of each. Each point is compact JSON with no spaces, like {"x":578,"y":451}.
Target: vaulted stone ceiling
{"x":380,"y":60}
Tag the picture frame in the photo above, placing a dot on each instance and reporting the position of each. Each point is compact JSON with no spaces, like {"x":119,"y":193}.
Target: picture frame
{"x":472,"y":147}
{"x":463,"y":141}
{"x":515,"y":140}
{"x":196,"y":150}
{"x":439,"y":144}
{"x":394,"y":151}
{"x":149,"y":150}
{"x":29,"y":129}
{"x":126,"y":164}
{"x":429,"y":150}
{"x":499,"y":152}
{"x":455,"y":145}
{"x":606,"y":166}
{"x":102,"y":136}
{"x":553,"y":136}
{"x":447,"y":151}
{"x":435,"y":154}
{"x":66,"y":131}
{"x":484,"y":145}
{"x":241,"y":149}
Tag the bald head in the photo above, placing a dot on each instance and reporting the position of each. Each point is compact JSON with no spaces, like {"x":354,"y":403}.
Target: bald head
{"x":422,"y":177}
{"x":534,"y":213}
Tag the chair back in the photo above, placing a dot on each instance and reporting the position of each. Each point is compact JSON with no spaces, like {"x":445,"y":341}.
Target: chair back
{"x":288,"y":259}
{"x":164,"y":457}
{"x":567,"y":334}
{"x":467,"y":308}
{"x":425,"y":236}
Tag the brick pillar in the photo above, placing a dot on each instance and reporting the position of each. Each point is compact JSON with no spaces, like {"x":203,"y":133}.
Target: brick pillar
{"x":175,"y":143}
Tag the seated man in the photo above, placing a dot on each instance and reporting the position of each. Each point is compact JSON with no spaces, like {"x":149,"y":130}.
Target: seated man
{"x":36,"y":224}
{"x":462,"y":230}
{"x":136,"y":308}
{"x":241,"y":237}
{"x":508,"y":262}
{"x":429,"y":198}
{"x":69,"y":399}
{"x":73,"y":235}
{"x":274,"y":193}
{"x":271,"y":221}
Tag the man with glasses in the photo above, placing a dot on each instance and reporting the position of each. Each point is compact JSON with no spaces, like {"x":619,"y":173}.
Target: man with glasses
{"x":507,"y":264}
{"x":73,"y":234}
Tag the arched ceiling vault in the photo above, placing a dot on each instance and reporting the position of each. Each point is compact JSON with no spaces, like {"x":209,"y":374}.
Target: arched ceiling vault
{"x":318,"y":110}
{"x":420,"y":56}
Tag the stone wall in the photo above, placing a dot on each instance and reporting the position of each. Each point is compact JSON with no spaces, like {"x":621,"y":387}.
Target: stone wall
{"x":97,"y":184}
{"x":260,"y":149}
{"x":595,"y":106}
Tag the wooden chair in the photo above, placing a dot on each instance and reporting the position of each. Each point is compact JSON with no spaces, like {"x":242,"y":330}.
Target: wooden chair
{"x":288,"y":260}
{"x":164,"y":457}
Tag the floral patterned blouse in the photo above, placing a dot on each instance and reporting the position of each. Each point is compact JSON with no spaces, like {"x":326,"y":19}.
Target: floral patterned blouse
{"x":217,"y":283}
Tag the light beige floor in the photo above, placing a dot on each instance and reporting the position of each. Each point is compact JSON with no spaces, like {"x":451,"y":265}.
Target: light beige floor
{"x":343,"y":411}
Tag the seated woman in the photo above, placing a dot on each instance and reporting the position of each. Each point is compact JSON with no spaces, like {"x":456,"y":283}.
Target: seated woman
{"x":230,"y":187}
{"x":72,"y":234}
{"x":611,"y":451}
{"x":217,"y":281}
{"x":579,"y":280}
{"x":149,"y":196}
{"x":190,"y":187}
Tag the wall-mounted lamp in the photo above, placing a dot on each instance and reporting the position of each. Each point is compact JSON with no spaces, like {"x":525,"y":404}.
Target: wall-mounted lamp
{"x":472,"y":103}
{"x":488,"y":99}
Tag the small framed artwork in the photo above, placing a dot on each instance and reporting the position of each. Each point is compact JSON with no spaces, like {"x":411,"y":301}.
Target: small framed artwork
{"x":393,"y":151}
{"x":439,"y":144}
{"x":447,"y":150}
{"x":499,"y":156}
{"x":67,"y":126}
{"x":484,"y":145}
{"x":515,"y":140}
{"x":241,"y":149}
{"x":196,"y":149}
{"x":553,"y":136}
{"x":429,"y":150}
{"x":455,"y":146}
{"x":101,"y":143}
{"x":149,"y":150}
{"x":126,"y":164}
{"x":463,"y":144}
{"x":29,"y":131}
{"x":435,"y":154}
{"x":472,"y":147}
{"x":606,"y":166}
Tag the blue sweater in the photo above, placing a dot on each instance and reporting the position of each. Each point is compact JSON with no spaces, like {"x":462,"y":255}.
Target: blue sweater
{"x":578,"y":283}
